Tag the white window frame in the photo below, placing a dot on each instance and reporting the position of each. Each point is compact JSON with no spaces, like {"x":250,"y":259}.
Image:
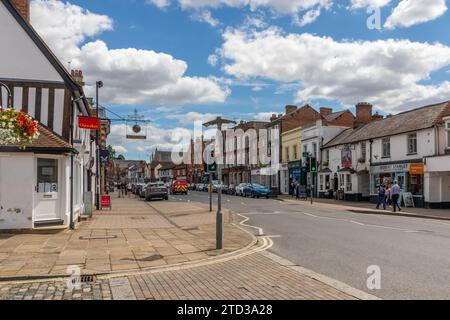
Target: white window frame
{"x":409,"y":137}
{"x":447,"y":133}
{"x":386,"y":141}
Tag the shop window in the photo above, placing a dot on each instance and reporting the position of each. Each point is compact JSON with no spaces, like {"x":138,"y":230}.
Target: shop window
{"x":287,"y":153}
{"x":412,"y":143}
{"x":386,"y":142}
{"x":321,"y":182}
{"x":349,"y":183}
{"x":295,"y":152}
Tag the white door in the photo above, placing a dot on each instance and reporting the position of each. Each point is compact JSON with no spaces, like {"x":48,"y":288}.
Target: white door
{"x":48,"y":184}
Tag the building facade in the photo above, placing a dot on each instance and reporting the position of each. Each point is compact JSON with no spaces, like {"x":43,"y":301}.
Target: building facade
{"x":43,"y":185}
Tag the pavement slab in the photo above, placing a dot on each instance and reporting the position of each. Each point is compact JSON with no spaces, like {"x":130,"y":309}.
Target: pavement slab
{"x":127,"y":237}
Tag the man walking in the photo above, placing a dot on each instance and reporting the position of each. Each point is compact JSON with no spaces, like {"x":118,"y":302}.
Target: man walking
{"x":395,"y":194}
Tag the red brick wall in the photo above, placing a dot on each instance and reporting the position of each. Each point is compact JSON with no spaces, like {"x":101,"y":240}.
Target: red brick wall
{"x":302,"y":117}
{"x":23,"y":6}
{"x":346,"y":120}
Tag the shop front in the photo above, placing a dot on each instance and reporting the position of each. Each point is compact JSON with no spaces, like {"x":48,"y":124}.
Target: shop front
{"x":409,"y":175}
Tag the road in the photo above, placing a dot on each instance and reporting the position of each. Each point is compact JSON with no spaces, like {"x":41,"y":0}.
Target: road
{"x":412,"y":254}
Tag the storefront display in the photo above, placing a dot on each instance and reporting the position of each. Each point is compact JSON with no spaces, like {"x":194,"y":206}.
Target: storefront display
{"x":409,"y":177}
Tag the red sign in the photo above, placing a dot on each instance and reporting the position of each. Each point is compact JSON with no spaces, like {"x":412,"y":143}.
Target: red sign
{"x":105,"y":201}
{"x":89,"y":123}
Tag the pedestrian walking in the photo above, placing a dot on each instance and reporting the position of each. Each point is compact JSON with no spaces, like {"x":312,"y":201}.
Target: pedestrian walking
{"x":395,"y":195}
{"x":381,"y":197}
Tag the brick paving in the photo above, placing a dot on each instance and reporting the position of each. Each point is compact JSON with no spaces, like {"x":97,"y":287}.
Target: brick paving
{"x":248,"y":278}
{"x":134,"y":235}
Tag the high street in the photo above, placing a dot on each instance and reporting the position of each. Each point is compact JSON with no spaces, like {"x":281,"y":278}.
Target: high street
{"x":412,"y":253}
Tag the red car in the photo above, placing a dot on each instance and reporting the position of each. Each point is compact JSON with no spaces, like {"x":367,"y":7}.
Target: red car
{"x":179,"y":187}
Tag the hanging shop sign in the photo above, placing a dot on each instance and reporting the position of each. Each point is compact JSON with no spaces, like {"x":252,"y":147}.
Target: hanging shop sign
{"x":346,"y":157}
{"x":91,"y":123}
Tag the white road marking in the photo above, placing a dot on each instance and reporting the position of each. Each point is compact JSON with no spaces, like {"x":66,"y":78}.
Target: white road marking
{"x":362,"y":224}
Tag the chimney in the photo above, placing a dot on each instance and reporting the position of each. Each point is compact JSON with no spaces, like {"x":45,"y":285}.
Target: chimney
{"x":325,"y":111}
{"x":273,"y":117}
{"x":290,"y":108}
{"x":23,"y":7}
{"x":77,"y":76}
{"x":363,"y":113}
{"x":377,"y":116}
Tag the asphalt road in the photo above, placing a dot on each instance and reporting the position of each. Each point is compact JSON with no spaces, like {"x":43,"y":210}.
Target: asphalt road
{"x":413,"y":254}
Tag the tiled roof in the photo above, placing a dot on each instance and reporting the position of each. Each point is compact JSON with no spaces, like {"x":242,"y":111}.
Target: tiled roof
{"x":334,"y":115}
{"x":413,"y":120}
{"x":46,"y":140}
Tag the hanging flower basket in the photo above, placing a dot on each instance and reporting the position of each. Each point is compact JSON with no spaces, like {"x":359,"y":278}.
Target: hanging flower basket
{"x":17,"y":127}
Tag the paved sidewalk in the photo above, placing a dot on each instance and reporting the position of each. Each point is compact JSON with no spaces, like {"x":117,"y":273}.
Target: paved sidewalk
{"x":366,"y":207}
{"x":252,"y":277}
{"x":135,"y":235}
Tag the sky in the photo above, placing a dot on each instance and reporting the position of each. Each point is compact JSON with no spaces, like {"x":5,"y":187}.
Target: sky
{"x":180,"y":61}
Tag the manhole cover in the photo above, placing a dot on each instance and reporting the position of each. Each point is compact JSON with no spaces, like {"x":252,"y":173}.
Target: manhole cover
{"x":87,"y":279}
{"x":98,"y":237}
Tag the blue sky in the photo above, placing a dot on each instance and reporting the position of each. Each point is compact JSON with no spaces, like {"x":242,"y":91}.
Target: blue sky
{"x":157,"y":56}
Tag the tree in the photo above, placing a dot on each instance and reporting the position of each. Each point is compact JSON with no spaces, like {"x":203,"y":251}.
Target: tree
{"x":120,"y":157}
{"x":112,"y":152}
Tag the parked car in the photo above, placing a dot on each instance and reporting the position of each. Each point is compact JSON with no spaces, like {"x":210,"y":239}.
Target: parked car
{"x":231,"y":189}
{"x":179,"y":187}
{"x":239,"y":190}
{"x":255,"y":190}
{"x":200,"y":187}
{"x":139,"y":188}
{"x":156,"y":191}
{"x":223,"y":187}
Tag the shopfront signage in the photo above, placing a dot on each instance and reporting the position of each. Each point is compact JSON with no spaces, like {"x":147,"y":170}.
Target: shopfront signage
{"x":91,"y":123}
{"x":417,"y":168}
{"x":408,"y":199}
{"x":389,"y":168}
{"x":105,"y":202}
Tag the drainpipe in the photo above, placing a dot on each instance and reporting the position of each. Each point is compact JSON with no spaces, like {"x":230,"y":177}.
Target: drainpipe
{"x":72,"y":114}
{"x":71,"y":224}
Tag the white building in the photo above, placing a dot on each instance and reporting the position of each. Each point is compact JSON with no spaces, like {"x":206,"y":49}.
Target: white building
{"x":38,"y":183}
{"x":409,"y":147}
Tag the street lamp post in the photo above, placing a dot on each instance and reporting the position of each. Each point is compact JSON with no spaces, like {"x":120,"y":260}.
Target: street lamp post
{"x":219,"y":217}
{"x":98,"y":85}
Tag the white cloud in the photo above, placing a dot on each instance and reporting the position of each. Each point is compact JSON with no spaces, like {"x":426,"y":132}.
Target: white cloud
{"x":65,"y":26}
{"x":159,"y":3}
{"x":358,"y":4}
{"x":212,"y":60}
{"x":191,"y":117}
{"x":262,"y":116}
{"x":389,"y":73}
{"x":278,"y":7}
{"x":157,"y":137}
{"x":412,"y":12}
{"x":309,"y":17}
{"x":205,"y":16}
{"x":130,"y":76}
{"x":120,"y":149}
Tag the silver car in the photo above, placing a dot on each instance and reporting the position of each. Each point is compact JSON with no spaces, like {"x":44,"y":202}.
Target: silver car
{"x":239,"y":190}
{"x":156,"y":191}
